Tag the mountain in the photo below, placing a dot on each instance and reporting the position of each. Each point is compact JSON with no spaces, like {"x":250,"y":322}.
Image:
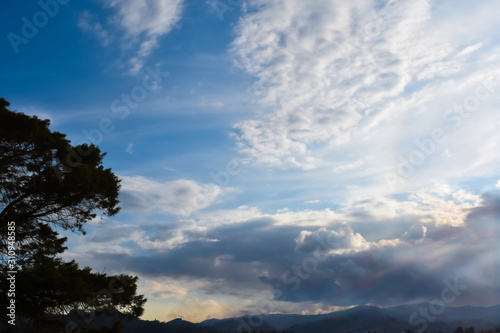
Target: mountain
{"x":237,"y":324}
{"x":173,"y":326}
{"x":367,"y":320}
{"x":360,"y":319}
{"x":373,"y":319}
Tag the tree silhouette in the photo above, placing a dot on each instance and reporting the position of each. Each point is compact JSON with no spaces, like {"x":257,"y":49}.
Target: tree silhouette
{"x":44,"y":178}
{"x":46,"y":183}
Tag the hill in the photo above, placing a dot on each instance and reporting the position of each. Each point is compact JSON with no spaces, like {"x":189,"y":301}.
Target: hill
{"x":360,"y":319}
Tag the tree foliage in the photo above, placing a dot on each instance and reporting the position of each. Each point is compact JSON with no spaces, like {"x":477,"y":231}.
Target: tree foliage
{"x":46,"y":184}
{"x":44,"y":178}
{"x":52,"y":290}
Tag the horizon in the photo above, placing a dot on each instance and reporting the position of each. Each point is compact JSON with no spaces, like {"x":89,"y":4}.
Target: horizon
{"x":340,"y":310}
{"x":281,"y":156}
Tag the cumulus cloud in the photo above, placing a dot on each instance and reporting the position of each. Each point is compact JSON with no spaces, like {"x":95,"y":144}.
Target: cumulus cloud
{"x":318,"y":258}
{"x":179,"y":197}
{"x":440,"y":204}
{"x":393,"y":271}
{"x":341,"y":241}
{"x":356,"y":88}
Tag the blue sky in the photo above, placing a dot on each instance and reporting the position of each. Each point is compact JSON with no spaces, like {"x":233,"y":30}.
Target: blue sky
{"x":286,"y":156}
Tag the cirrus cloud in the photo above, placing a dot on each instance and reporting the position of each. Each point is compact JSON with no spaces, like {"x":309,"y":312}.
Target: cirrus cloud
{"x":337,"y":80}
{"x":137,"y":24}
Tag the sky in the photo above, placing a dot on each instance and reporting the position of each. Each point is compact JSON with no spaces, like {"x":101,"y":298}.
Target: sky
{"x":277,"y":156}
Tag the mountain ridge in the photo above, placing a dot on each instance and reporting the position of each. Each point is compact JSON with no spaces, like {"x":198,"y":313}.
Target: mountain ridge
{"x":389,"y":319}
{"x":359,"y":319}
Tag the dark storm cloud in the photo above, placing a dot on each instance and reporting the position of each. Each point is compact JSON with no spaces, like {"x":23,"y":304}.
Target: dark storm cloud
{"x":335,"y":265}
{"x":417,"y":269}
{"x":378,"y":276}
{"x":239,"y":254}
{"x":489,"y":212}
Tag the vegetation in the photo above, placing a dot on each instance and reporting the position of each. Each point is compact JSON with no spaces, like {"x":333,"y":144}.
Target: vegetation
{"x":46,"y":185}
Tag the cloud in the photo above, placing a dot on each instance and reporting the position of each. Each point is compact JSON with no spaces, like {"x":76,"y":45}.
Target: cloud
{"x":338,"y":80}
{"x":440,"y":204}
{"x":138,"y":25}
{"x":470,"y":49}
{"x":165,"y":288}
{"x":215,"y":218}
{"x":416,"y":232}
{"x":144,"y":22}
{"x":409,"y":269}
{"x":130,"y":148}
{"x":341,"y":241}
{"x":358,"y":255}
{"x":197,"y":310}
{"x":312,"y":201}
{"x":87,"y":23}
{"x":179,"y":197}
{"x":351,"y":166}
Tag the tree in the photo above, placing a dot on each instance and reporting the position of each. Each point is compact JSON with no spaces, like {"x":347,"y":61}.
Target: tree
{"x":55,"y":294}
{"x":44,"y":178}
{"x":46,"y":184}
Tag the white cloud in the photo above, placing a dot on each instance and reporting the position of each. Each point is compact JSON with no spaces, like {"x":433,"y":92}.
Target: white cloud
{"x":212,"y":219}
{"x":179,"y":197}
{"x":430,"y":243}
{"x":143,"y":23}
{"x":470,"y":49}
{"x":130,"y":148}
{"x":312,"y":201}
{"x":347,"y":167}
{"x":338,"y":80}
{"x":439,"y":204}
{"x":308,"y":217}
{"x":165,"y":288}
{"x":341,"y":241}
{"x":87,"y":22}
